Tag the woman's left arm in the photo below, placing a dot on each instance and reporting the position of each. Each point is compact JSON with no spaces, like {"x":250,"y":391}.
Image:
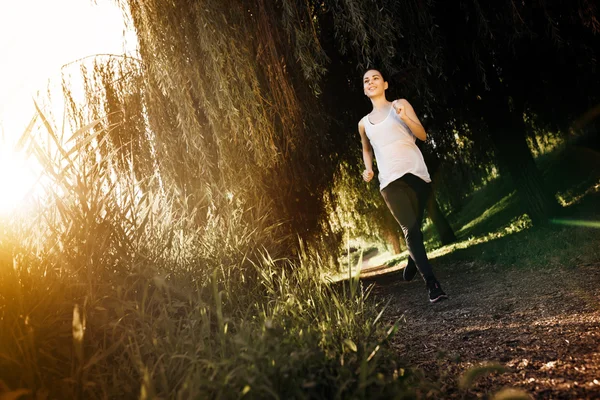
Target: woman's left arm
{"x":408,"y":115}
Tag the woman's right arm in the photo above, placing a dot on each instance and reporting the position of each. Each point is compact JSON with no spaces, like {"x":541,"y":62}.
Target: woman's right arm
{"x":367,"y":152}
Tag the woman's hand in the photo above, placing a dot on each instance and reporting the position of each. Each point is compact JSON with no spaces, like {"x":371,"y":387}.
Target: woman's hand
{"x":368,"y":175}
{"x":399,"y":108}
{"x":408,"y":116}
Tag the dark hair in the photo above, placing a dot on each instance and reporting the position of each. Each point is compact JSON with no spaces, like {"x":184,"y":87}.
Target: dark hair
{"x":375,"y":69}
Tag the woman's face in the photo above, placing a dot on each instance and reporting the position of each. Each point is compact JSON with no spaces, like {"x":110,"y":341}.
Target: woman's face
{"x":373,"y":83}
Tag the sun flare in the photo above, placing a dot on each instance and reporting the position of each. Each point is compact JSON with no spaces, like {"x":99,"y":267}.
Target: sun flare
{"x":17,"y":180}
{"x":38,"y":38}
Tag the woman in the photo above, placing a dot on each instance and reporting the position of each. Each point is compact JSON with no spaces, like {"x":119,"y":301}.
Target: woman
{"x":391,"y":130}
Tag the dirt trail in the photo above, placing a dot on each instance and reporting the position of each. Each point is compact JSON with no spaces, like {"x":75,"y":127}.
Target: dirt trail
{"x":543,"y":325}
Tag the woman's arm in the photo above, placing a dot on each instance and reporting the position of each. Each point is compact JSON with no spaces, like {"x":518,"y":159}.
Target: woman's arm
{"x":367,"y":152}
{"x":408,"y":115}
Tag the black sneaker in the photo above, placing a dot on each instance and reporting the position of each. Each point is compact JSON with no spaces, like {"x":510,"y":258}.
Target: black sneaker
{"x":409,"y":271}
{"x":435,"y":291}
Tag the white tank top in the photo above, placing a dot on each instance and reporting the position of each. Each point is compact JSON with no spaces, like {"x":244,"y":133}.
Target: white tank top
{"x":395,"y":149}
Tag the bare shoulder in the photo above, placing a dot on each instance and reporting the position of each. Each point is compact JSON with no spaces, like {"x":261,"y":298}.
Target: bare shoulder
{"x":361,"y":125}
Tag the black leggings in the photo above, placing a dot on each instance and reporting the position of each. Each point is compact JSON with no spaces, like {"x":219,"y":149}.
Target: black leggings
{"x":406,"y":197}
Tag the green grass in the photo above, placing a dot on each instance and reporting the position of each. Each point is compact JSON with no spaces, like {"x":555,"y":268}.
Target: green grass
{"x":568,"y":171}
{"x":110,"y":292}
{"x":255,"y":328}
{"x":573,"y":174}
{"x":492,"y":228}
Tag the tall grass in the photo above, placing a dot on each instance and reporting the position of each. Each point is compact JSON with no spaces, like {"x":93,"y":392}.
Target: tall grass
{"x":110,"y":290}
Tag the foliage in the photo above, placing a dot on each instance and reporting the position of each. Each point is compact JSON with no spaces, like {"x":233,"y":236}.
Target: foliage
{"x":164,"y":333}
{"x":226,"y":108}
{"x":357,"y":208}
{"x":491,"y":228}
{"x":471,"y":375}
{"x":163,"y":260}
{"x":238,"y":95}
{"x":511,"y":394}
{"x":108,"y":291}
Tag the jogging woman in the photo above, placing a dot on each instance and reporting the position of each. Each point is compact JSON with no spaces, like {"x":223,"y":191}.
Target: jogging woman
{"x":390,"y":131}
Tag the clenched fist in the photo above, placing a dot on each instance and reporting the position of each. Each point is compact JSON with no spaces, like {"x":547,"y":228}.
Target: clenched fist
{"x":368,"y":175}
{"x":398,"y":106}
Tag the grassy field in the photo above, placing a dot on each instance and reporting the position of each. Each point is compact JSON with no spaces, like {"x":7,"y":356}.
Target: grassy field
{"x":112,"y":285}
{"x":96,"y":302}
{"x":255,"y":327}
{"x":108,"y":293}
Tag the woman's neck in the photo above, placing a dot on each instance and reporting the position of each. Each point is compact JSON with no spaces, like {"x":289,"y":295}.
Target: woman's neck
{"x":380,"y":103}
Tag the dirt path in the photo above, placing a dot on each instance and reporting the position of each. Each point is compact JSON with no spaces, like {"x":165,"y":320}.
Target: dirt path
{"x":543,"y":326}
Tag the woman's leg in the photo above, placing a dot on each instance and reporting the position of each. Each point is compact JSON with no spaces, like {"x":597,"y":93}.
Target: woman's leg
{"x":410,"y":270}
{"x":403,"y":202}
{"x":407,"y":206}
{"x":423,"y":191}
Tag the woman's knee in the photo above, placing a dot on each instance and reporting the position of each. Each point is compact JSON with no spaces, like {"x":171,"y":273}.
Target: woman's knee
{"x":413,"y":233}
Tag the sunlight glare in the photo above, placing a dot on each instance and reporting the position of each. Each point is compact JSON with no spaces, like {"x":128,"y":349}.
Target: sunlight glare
{"x":17,"y":180}
{"x":39,"y":37}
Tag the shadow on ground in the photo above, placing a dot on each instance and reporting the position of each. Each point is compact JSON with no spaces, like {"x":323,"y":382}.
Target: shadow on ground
{"x":543,"y":326}
{"x":529,"y":301}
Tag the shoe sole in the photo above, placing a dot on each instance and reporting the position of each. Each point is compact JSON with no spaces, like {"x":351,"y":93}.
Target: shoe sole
{"x":442,"y":297}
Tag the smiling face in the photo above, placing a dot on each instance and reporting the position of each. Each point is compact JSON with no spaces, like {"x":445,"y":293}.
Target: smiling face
{"x":373,"y":83}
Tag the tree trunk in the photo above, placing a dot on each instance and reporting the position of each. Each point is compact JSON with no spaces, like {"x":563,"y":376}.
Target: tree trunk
{"x":394,"y":239}
{"x":389,"y":229}
{"x":440,"y":222}
{"x":515,"y":159}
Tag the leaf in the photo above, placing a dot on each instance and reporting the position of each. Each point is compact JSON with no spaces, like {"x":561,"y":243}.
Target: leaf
{"x":511,"y":394}
{"x":15,"y":394}
{"x":376,"y":320}
{"x":472,"y":374}
{"x":84,"y":129}
{"x":85,"y":141}
{"x":78,"y":331}
{"x":373,"y":353}
{"x":26,"y":134}
{"x":51,"y":133}
{"x":351,"y":345}
{"x":146,"y":388}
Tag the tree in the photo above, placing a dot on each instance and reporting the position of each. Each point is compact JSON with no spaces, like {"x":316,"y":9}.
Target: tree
{"x":485,"y":64}
{"x":231,"y":112}
{"x":499,"y":43}
{"x":258,"y":98}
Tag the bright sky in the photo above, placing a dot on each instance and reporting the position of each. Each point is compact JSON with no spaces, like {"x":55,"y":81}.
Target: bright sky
{"x":37,"y":37}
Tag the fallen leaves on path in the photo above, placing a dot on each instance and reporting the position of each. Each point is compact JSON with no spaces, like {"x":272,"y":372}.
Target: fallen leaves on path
{"x":542,"y":326}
